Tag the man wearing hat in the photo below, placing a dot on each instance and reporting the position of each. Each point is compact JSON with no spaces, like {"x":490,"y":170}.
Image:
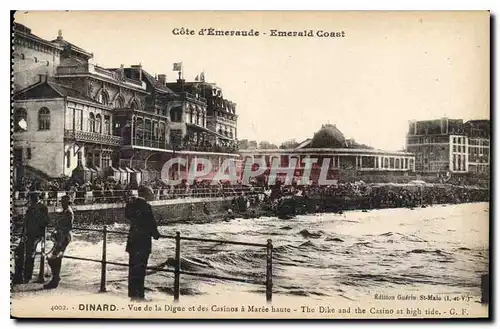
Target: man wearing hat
{"x":143,"y":226}
{"x":35,"y":223}
{"x":62,"y":237}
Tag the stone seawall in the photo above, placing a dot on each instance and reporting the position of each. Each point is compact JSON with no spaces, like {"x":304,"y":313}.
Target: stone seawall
{"x":192,"y":210}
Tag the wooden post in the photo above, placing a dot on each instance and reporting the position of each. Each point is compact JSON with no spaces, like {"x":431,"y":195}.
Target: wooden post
{"x":269,"y":271}
{"x":41,"y":272}
{"x":177,"y":266}
{"x":485,"y":289}
{"x":103,"y":259}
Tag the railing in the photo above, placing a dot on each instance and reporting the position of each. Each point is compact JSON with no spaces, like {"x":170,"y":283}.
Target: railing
{"x":153,"y":143}
{"x":87,"y":136}
{"x":193,"y":98}
{"x":177,"y":268}
{"x":53,"y":198}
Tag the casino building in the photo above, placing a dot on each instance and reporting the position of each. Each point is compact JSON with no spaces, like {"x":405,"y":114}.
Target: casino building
{"x":73,"y":117}
{"x":348,"y":160}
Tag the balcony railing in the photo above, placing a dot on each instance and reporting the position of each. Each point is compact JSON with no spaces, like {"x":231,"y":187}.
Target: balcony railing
{"x":158,"y":144}
{"x":87,"y":136}
{"x":191,"y":97}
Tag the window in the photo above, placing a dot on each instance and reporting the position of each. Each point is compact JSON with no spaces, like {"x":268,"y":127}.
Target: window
{"x":91,"y":122}
{"x":102,"y":98}
{"x":20,"y":120}
{"x":28,"y":153}
{"x":98,"y":123}
{"x":386,"y":162}
{"x":176,"y":114}
{"x":119,"y":102}
{"x":44,"y":119}
{"x":107,"y":126}
{"x":78,"y":120}
{"x":134,"y":106}
{"x":161,"y":131}
{"x":68,"y":159}
{"x":36,"y":60}
{"x":79,"y":158}
{"x":22,"y":56}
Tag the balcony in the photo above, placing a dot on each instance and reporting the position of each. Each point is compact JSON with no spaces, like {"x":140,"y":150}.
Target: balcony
{"x":90,"y":137}
{"x":93,"y":69}
{"x":191,"y":97}
{"x":153,"y":143}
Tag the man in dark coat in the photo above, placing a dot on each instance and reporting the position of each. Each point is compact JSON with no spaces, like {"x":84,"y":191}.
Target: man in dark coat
{"x":143,"y":226}
{"x":35,"y":223}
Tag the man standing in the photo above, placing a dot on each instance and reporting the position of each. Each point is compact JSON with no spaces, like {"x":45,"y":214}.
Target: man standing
{"x":62,"y":237}
{"x":35,"y":223}
{"x":143,"y":226}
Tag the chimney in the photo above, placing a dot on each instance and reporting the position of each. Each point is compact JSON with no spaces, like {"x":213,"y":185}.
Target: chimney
{"x":138,"y":71}
{"x":162,"y":78}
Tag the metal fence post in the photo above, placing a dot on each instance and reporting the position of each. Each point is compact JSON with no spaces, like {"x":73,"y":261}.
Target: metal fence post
{"x":41,"y":272}
{"x":103,"y":259}
{"x":177,"y":266}
{"x":269,"y":272}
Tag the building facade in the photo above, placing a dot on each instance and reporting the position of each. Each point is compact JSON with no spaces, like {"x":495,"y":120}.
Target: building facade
{"x":450,"y":146}
{"x":72,"y":115}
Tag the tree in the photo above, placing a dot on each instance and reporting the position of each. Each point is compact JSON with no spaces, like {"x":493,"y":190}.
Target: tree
{"x":243,"y":144}
{"x":267,"y":145}
{"x":252,"y":144}
{"x":290,"y":144}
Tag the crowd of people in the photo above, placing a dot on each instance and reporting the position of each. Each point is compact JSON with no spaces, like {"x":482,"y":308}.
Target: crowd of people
{"x":357,"y":195}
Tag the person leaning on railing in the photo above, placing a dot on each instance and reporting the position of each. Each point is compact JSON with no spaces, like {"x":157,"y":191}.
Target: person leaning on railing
{"x":35,"y":222}
{"x":61,"y":237}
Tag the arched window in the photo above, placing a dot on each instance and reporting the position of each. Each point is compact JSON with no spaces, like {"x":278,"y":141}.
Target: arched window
{"x":102,"y":97}
{"x":119,"y":102}
{"x":91,"y":122}
{"x":44,"y":119}
{"x":36,"y":60}
{"x":20,"y":120}
{"x":98,"y":123}
{"x":386,"y":163}
{"x":22,"y":56}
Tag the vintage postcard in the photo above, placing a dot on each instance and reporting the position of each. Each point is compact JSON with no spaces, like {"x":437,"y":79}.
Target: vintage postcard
{"x":256,"y":165}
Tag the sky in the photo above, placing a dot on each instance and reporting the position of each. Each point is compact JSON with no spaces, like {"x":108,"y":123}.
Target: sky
{"x":390,"y":68}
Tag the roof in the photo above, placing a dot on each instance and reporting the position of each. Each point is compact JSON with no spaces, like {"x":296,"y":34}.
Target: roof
{"x":155,"y":83}
{"x":305,"y":143}
{"x":24,"y":31}
{"x":63,"y":43}
{"x":51,"y":89}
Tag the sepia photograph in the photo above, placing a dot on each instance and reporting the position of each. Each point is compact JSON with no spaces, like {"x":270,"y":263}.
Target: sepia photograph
{"x":250,"y":164}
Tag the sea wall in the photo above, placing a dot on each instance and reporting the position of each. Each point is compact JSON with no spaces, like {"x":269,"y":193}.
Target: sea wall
{"x":195,"y":210}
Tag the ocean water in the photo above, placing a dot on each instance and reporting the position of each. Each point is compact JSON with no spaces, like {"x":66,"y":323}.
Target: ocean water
{"x":440,"y":249}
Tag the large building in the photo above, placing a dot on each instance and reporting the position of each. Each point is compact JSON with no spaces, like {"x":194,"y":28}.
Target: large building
{"x":348,"y":160}
{"x":450,"y":146}
{"x":72,"y":114}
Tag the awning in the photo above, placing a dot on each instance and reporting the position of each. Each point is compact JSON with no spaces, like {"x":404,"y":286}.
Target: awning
{"x":203,"y":129}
